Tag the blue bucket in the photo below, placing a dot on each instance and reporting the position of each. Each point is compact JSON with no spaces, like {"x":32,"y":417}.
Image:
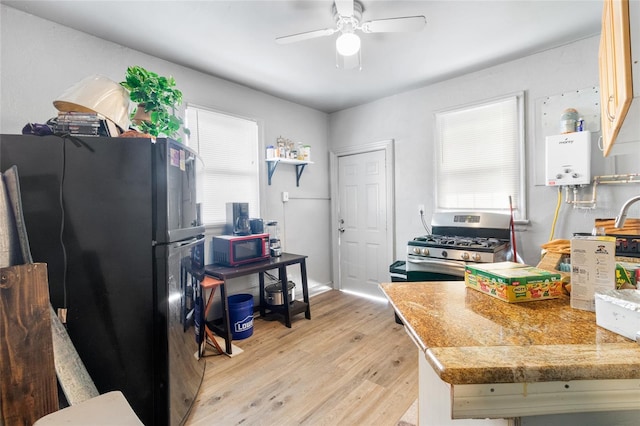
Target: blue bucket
{"x":241,"y":316}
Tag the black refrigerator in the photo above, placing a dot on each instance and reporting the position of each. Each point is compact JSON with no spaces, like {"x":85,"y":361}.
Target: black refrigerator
{"x":116,"y":221}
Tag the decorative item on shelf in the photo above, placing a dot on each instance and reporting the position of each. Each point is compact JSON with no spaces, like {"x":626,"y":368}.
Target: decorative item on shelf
{"x":568,"y":120}
{"x":271,"y":152}
{"x":157,"y":99}
{"x":285,"y":148}
{"x":285,"y":152}
{"x":290,"y":150}
{"x":95,"y":94}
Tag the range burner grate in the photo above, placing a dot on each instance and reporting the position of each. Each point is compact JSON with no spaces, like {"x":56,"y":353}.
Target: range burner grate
{"x":462,"y":242}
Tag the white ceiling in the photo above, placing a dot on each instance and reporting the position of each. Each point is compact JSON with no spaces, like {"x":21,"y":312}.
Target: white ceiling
{"x":234,"y":40}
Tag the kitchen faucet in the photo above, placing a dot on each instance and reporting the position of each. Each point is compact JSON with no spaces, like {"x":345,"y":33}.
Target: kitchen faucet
{"x":623,"y":211}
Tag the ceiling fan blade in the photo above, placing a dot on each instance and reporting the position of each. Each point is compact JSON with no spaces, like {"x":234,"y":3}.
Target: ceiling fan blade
{"x":395,"y":25}
{"x":344,"y":7}
{"x":305,"y":36}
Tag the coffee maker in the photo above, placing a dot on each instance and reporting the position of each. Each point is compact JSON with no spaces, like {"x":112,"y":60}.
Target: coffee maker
{"x":238,"y":219}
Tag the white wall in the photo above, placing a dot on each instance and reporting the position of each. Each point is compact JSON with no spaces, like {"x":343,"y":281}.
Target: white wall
{"x":40,"y":60}
{"x":409,"y":119}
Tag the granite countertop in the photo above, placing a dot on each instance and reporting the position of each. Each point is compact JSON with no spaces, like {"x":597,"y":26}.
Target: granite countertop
{"x":472,"y":338}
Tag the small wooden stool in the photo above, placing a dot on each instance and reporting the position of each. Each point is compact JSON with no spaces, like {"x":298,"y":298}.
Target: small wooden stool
{"x":209,"y":283}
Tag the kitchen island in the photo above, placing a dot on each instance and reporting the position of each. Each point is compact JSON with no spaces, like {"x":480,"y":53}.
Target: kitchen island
{"x":528,"y":363}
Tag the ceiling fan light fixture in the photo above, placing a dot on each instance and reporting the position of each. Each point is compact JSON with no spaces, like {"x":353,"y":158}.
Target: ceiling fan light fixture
{"x":348,"y":44}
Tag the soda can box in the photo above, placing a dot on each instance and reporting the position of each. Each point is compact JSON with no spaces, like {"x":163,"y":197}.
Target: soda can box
{"x":513,"y":282}
{"x":627,"y":275}
{"x":593,"y":268}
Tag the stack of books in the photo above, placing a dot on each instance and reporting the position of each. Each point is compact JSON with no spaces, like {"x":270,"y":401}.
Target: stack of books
{"x":84,"y":124}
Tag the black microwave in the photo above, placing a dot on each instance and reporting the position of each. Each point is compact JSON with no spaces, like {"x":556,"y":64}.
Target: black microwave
{"x":235,"y":250}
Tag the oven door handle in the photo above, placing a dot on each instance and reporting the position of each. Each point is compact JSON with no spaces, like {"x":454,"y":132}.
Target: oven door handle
{"x":452,"y":263}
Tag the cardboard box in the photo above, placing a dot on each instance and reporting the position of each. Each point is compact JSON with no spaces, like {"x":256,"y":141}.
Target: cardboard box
{"x":619,"y":311}
{"x":627,"y":274}
{"x":593,"y":268}
{"x":513,"y":282}
{"x":553,"y":262}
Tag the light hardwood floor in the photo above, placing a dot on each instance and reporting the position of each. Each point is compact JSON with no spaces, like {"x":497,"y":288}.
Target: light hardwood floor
{"x":351,"y":364}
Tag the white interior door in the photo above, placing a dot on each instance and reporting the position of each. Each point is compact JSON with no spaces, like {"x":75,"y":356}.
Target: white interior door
{"x":363,"y":222}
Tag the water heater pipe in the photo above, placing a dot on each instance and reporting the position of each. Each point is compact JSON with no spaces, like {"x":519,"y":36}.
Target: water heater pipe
{"x":602,"y":180}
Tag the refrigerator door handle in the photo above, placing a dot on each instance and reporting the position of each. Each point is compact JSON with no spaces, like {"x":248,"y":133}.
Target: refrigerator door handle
{"x":184,"y":233}
{"x":185,"y":243}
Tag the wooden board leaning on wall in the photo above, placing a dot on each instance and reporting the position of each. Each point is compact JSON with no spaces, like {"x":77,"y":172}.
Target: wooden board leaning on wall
{"x":631,"y":226}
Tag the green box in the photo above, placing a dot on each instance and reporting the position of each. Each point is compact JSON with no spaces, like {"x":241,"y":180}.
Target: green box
{"x":513,"y":282}
{"x":626,"y":275}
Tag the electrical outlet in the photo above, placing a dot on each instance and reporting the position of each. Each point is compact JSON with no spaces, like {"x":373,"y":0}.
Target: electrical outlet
{"x":420,"y":209}
{"x":285,"y":196}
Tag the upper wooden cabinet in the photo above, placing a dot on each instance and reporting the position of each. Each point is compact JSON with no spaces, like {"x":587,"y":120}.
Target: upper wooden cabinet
{"x":617,"y":77}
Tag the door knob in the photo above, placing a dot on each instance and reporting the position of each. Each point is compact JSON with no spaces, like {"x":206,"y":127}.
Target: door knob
{"x":341,"y":229}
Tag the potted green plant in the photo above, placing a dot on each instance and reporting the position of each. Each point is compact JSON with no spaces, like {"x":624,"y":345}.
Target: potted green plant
{"x":156,"y":98}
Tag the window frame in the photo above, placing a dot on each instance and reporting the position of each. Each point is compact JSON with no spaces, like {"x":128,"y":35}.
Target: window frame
{"x":193,"y":141}
{"x":520,"y":208}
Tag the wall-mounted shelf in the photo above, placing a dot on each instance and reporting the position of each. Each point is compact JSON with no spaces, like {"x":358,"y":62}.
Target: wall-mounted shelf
{"x":272,"y":163}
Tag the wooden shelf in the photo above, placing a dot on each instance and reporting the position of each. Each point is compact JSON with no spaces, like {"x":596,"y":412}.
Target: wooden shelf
{"x":272,"y":163}
{"x":295,"y":308}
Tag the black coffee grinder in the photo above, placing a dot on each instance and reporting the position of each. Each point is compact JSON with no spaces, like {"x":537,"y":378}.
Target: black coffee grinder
{"x":274,"y":239}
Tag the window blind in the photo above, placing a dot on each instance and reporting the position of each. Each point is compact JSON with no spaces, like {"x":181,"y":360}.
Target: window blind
{"x":479,"y":162}
{"x":228,"y":146}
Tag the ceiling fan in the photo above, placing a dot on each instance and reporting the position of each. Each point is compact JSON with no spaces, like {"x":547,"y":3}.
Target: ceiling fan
{"x":348,"y":17}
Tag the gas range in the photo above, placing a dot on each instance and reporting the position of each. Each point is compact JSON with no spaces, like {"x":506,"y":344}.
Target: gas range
{"x":458,"y":238}
{"x":475,"y":249}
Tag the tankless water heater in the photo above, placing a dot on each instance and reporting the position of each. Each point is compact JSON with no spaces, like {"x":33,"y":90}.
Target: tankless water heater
{"x":568,"y":159}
